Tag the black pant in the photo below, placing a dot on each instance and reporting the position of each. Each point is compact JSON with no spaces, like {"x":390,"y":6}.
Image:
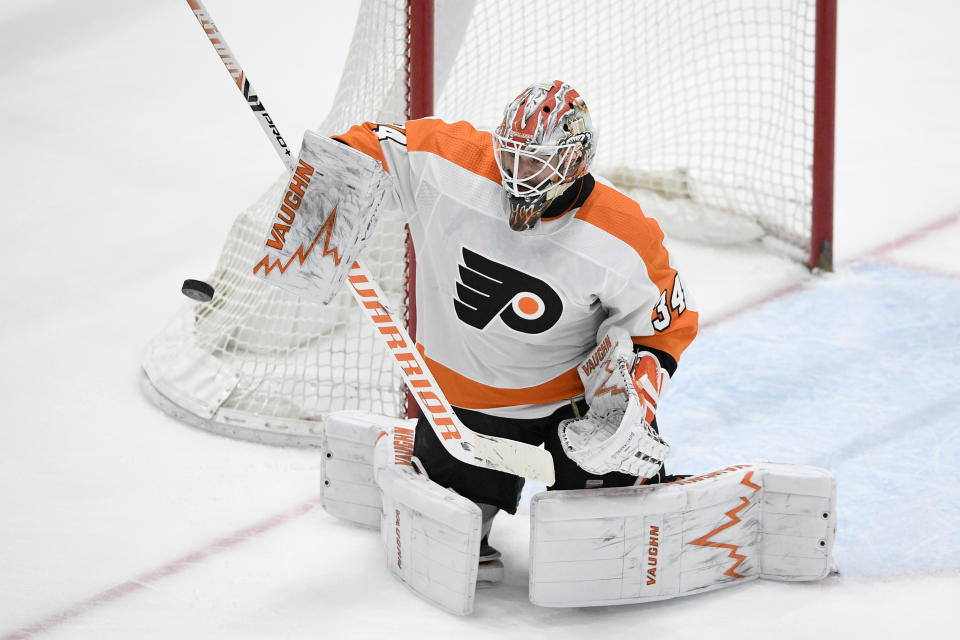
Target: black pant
{"x":503,"y":489}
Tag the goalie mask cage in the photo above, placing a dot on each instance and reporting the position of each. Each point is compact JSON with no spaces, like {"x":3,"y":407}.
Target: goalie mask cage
{"x":716,"y":115}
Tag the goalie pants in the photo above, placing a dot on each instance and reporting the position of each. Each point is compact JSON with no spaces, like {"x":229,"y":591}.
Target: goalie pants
{"x":500,"y":489}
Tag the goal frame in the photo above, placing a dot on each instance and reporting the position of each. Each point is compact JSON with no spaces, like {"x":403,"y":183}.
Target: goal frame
{"x":420,"y":65}
{"x":824,"y":111}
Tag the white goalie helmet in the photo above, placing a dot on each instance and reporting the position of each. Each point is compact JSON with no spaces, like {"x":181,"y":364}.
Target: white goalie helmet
{"x":544,"y":143}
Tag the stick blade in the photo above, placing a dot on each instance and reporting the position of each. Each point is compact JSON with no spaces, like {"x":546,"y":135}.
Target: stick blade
{"x":511,"y":456}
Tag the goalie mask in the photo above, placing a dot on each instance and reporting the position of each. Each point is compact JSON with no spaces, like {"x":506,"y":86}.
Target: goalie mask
{"x":545,"y":142}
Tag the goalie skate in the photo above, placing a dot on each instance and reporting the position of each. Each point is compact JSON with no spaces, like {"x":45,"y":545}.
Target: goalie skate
{"x":490,"y":567}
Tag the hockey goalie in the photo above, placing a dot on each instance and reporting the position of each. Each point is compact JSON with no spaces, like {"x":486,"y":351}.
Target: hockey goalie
{"x":550,"y":313}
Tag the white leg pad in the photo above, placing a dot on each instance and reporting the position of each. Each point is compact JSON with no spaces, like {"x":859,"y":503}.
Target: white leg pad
{"x":430,"y":535}
{"x":640,"y":544}
{"x":431,"y":538}
{"x":348,"y":488}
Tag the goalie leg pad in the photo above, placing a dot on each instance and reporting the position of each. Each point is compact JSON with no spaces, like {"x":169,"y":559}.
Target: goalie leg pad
{"x":641,"y":544}
{"x":348,"y":488}
{"x":431,"y":537}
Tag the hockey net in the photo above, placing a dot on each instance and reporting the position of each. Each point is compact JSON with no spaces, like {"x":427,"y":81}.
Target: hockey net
{"x":705,"y":114}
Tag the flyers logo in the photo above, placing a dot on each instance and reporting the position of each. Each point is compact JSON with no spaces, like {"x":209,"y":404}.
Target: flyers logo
{"x":488,"y":289}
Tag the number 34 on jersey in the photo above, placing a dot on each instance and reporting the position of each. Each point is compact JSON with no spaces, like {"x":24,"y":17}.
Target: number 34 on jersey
{"x":669,"y":302}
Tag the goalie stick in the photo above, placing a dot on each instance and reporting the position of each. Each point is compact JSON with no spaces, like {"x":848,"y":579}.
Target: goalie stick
{"x":461,"y":442}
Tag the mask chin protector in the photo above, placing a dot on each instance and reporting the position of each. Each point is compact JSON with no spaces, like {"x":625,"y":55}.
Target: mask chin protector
{"x":525,"y":212}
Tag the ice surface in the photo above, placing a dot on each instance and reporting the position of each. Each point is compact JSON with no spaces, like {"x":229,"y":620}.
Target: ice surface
{"x":125,"y":156}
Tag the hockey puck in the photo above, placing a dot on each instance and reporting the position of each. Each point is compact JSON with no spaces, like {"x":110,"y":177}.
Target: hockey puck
{"x":197,"y":290}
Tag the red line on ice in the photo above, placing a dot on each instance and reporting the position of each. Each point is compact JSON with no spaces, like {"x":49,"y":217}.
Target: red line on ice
{"x":877,"y":253}
{"x":910,"y":238}
{"x":176,"y":566}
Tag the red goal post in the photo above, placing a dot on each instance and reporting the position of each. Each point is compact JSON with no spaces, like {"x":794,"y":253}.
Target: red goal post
{"x":716,"y":115}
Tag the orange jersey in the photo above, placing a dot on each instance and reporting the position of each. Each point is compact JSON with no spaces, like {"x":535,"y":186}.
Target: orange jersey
{"x":505,"y":317}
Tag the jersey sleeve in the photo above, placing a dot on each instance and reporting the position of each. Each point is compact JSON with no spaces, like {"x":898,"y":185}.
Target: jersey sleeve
{"x":645,"y":295}
{"x":388,"y":144}
{"x":672,"y":319}
{"x":406,"y":152}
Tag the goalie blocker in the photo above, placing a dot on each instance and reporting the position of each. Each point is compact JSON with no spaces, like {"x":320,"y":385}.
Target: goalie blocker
{"x":330,"y":208}
{"x":589,"y":547}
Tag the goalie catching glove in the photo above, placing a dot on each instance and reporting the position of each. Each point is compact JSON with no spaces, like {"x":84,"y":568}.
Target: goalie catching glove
{"x":622,"y":389}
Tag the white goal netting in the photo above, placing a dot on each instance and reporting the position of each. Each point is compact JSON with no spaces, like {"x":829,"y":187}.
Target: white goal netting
{"x":705,"y":115}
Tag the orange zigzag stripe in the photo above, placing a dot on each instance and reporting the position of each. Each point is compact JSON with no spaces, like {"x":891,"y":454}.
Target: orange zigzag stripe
{"x":302,"y":255}
{"x":705,"y":541}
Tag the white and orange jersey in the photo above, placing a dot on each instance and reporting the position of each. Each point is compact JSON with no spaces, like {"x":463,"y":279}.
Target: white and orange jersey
{"x":505,"y":317}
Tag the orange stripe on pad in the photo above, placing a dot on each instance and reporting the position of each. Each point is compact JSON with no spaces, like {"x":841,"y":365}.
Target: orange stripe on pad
{"x":749,"y":483}
{"x":733,"y":519}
